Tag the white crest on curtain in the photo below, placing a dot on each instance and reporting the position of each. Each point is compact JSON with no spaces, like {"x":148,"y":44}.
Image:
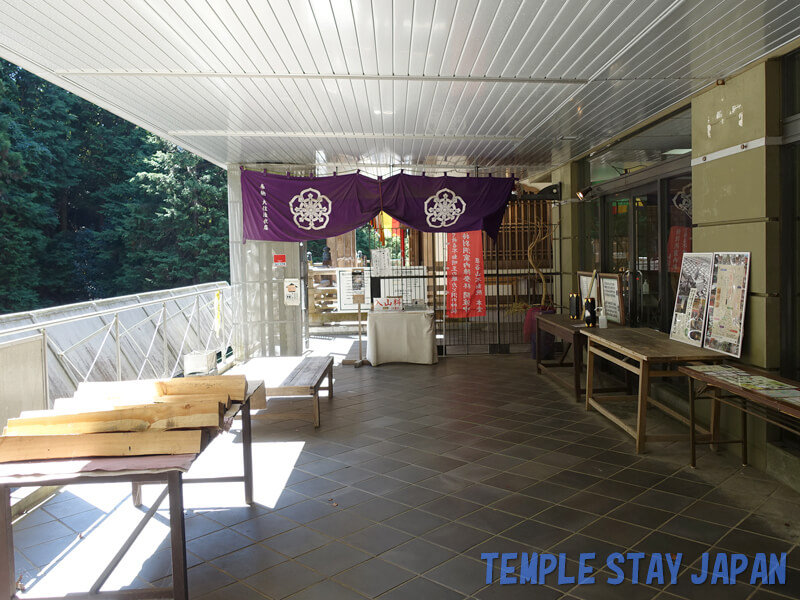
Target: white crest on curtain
{"x":311,"y":209}
{"x":444,"y":208}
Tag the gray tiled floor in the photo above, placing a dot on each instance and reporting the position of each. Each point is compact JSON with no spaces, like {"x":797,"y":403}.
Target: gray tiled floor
{"x":416,"y":470}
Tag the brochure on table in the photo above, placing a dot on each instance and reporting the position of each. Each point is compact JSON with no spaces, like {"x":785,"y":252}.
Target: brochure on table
{"x":711,"y":301}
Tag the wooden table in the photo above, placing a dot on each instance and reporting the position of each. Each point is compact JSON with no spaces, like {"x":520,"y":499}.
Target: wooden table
{"x":138,"y":470}
{"x":568,"y":330}
{"x":748,"y":401}
{"x":134,"y":469}
{"x":637,"y":350}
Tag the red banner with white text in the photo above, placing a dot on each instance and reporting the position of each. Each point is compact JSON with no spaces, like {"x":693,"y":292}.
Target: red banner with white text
{"x":466,"y":294}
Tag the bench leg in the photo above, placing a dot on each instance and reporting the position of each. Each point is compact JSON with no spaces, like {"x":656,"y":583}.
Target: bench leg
{"x":641,"y":417}
{"x":136,"y":493}
{"x":744,"y":438}
{"x":180,"y":580}
{"x":8,"y":583}
{"x":692,"y":434}
{"x":330,"y":383}
{"x":247,"y":452}
{"x":316,"y":407}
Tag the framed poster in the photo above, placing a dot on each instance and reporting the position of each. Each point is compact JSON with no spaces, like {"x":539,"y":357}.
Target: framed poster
{"x":691,"y":301}
{"x":584,"y":285}
{"x":726,"y":302}
{"x":350,"y":283}
{"x":611,"y":297}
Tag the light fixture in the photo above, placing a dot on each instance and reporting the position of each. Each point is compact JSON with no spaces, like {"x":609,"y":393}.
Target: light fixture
{"x":584,"y":192}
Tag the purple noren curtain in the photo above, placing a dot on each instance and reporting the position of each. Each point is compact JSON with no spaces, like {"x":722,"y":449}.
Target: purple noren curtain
{"x":292,"y":209}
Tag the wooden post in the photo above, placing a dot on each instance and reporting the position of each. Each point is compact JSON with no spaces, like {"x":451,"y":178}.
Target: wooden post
{"x":247,"y":451}
{"x":692,"y":435}
{"x":644,"y":392}
{"x":180,"y":582}
{"x":8,"y":581}
{"x":343,"y":249}
{"x":589,"y":371}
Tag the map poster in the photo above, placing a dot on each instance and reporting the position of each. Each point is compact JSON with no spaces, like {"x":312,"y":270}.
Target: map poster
{"x":726,"y":302}
{"x":691,"y":301}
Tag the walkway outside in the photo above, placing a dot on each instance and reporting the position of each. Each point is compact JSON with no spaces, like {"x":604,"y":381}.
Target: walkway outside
{"x":414,"y":473}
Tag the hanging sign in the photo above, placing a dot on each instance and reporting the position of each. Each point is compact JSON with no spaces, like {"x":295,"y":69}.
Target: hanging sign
{"x":466,"y":294}
{"x":293,"y":209}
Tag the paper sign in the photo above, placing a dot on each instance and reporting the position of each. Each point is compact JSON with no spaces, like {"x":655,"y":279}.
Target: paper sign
{"x":279,"y":260}
{"x":291,"y":292}
{"x":390,"y":303}
{"x":381,"y":262}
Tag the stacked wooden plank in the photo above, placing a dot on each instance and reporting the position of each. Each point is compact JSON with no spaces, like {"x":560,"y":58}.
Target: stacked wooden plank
{"x":126,"y":418}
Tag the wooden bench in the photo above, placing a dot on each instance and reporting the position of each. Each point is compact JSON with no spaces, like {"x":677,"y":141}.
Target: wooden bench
{"x":291,"y":376}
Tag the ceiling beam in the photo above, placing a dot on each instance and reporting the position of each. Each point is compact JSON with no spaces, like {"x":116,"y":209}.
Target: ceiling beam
{"x":360,"y":77}
{"x":319,"y":76}
{"x":345,"y":135}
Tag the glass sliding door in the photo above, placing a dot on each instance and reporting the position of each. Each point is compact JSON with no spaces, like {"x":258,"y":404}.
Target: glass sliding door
{"x":632,"y":251}
{"x":645,"y":280}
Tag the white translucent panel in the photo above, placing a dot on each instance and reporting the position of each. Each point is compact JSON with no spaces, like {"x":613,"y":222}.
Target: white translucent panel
{"x":494,"y":83}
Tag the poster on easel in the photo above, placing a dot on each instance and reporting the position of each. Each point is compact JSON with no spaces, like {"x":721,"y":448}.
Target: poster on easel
{"x":691,"y":301}
{"x":350,"y":283}
{"x":726,"y":302}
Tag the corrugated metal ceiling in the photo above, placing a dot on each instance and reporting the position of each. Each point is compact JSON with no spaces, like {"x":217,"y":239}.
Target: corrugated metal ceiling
{"x":507,"y":85}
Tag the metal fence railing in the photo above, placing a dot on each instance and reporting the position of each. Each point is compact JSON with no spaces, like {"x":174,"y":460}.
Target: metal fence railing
{"x":131,"y":337}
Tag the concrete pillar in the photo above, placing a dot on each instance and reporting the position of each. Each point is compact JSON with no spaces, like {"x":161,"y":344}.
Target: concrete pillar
{"x":736,"y":196}
{"x":566,"y":241}
{"x":736,"y":207}
{"x":262,"y":324}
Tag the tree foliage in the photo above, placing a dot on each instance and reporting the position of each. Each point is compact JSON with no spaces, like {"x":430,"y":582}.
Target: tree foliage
{"x":91,"y":206}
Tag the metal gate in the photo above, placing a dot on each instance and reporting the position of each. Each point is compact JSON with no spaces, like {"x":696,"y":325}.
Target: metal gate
{"x":511,"y":284}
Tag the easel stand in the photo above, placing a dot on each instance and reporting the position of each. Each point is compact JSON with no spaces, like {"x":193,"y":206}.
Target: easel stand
{"x":359,"y":299}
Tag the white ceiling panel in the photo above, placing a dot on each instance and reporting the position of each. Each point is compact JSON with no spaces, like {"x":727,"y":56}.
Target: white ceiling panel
{"x":492,"y":85}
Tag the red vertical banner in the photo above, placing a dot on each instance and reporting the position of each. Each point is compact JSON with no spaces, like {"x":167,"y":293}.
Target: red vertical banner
{"x":680,"y":241}
{"x":466,"y":294}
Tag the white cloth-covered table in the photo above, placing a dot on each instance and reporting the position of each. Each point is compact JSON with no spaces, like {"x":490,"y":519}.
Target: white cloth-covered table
{"x":403,"y":336}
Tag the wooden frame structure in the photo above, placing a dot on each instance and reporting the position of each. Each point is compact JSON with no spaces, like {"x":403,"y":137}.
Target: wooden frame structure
{"x":638,"y":351}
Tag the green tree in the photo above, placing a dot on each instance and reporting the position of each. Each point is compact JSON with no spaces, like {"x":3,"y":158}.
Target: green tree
{"x":26,"y":212}
{"x":175,"y":231}
{"x":91,"y":206}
